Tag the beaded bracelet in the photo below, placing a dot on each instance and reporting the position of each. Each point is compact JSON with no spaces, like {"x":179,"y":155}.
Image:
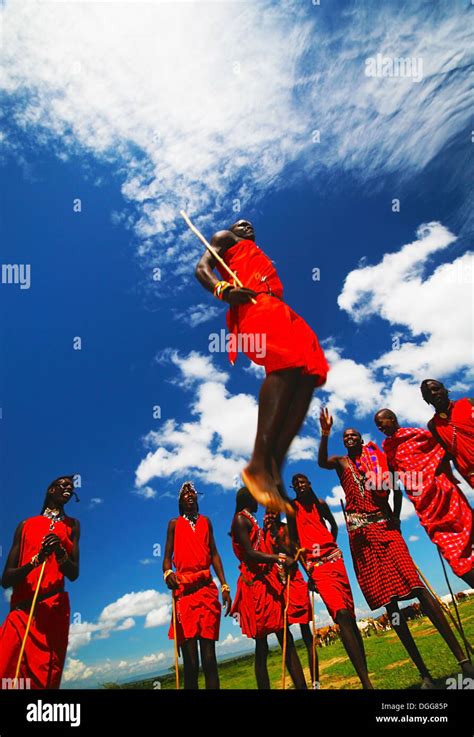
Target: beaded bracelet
{"x":220,"y":288}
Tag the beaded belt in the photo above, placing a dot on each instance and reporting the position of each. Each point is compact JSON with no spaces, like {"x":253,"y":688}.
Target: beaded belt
{"x":356,"y":520}
{"x":329,"y":558}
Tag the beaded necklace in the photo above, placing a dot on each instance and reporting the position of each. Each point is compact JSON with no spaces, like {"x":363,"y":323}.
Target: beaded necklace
{"x":192,"y":519}
{"x":253,"y":519}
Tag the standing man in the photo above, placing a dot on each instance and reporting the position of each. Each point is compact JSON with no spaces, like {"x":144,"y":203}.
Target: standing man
{"x":441,"y":506}
{"x":383,"y":566}
{"x":293,"y":359}
{"x":278,"y":540}
{"x":190,"y":546}
{"x":452,"y":426}
{"x":326,"y":568}
{"x":53,"y":537}
{"x":258,"y":604}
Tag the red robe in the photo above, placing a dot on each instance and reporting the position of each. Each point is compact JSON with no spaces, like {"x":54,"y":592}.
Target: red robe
{"x":198,"y":610}
{"x":258,"y":603}
{"x":289,"y":341}
{"x":299,"y":609}
{"x":457,"y":434}
{"x":46,"y":644}
{"x":442,"y":508}
{"x":382,"y":563}
{"x":324,"y":558}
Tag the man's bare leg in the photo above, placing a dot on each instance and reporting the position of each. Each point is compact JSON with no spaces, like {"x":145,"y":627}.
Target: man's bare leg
{"x":293,"y":662}
{"x":274,"y":401}
{"x":209,"y":663}
{"x":353,"y":645}
{"x":261,"y":671}
{"x":293,"y":421}
{"x":397,"y":620}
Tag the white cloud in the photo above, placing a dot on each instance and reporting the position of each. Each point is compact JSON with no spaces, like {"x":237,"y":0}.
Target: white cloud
{"x":134,"y":604}
{"x":336,"y":496}
{"x":434,"y":308}
{"x":352,"y":383}
{"x":197,"y":314}
{"x":120,"y":615}
{"x":199,"y":128}
{"x":146,"y":492}
{"x":413,"y":539}
{"x":78,"y":671}
{"x":230,"y":642}
{"x":210,"y":448}
{"x":95,"y":501}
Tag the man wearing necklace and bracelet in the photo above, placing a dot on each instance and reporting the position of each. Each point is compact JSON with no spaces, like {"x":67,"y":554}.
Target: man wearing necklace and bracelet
{"x":52,"y":537}
{"x":452,"y":426}
{"x":259,"y":601}
{"x":191,"y":547}
{"x":382,"y":563}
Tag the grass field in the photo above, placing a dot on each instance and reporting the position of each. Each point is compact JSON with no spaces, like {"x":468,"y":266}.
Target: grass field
{"x":389,"y":665}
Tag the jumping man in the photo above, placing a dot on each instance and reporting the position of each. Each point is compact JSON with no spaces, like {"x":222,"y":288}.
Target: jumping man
{"x":293,"y":359}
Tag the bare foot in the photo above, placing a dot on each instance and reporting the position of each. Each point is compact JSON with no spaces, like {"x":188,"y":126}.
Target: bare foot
{"x":263,"y":489}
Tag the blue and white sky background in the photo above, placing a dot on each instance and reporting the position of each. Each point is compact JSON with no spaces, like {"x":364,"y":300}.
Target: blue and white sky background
{"x":119,"y":114}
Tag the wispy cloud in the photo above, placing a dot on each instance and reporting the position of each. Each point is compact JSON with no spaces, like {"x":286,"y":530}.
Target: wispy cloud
{"x":198,"y":128}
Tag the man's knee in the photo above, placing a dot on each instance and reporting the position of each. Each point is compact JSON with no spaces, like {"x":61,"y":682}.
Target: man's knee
{"x":343,"y":616}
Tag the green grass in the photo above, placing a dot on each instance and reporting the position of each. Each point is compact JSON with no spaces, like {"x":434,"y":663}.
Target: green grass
{"x":388,"y":661}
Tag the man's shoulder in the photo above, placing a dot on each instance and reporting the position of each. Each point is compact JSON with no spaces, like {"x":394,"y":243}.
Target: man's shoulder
{"x":223,"y":239}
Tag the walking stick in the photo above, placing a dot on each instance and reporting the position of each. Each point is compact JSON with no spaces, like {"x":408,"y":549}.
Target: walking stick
{"x":175,"y":640}
{"x":444,"y":606}
{"x":33,"y":604}
{"x":453,"y":599}
{"x":212,"y":251}
{"x":285,"y":619}
{"x":315,"y":663}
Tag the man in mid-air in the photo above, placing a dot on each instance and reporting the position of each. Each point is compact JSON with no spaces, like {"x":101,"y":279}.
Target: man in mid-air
{"x":294,"y":361}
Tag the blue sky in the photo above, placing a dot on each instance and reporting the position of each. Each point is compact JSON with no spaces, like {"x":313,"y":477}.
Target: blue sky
{"x":136,"y":131}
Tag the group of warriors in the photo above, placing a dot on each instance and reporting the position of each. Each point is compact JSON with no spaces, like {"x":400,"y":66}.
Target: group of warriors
{"x":271,"y":591}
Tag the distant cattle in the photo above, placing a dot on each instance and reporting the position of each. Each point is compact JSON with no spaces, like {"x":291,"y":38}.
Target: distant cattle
{"x":413,"y":611}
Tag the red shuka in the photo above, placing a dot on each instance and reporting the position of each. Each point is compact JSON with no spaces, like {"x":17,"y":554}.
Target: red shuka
{"x":457,"y":433}
{"x":198,"y":610}
{"x":382,"y":563}
{"x":258,"y":603}
{"x":289,"y":341}
{"x":46,"y":644}
{"x":330,"y":577}
{"x":299,"y":609}
{"x":442,"y":508}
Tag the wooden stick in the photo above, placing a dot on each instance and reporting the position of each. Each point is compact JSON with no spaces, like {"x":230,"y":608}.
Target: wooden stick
{"x":33,"y":604}
{"x":285,"y":623}
{"x":212,"y":251}
{"x":315,"y":669}
{"x":175,"y":639}
{"x":442,"y":605}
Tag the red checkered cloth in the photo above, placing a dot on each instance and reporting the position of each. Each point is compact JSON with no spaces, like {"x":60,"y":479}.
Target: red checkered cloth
{"x":382,"y":563}
{"x":441,"y":506}
{"x":457,"y":435}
